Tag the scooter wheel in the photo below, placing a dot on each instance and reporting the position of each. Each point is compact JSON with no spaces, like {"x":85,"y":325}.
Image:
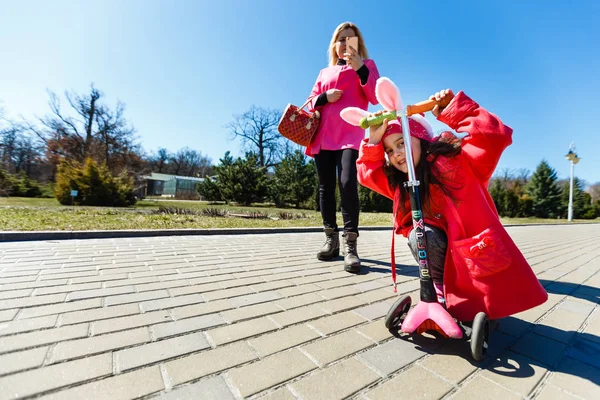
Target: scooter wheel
{"x":398,"y":312}
{"x":480,"y":336}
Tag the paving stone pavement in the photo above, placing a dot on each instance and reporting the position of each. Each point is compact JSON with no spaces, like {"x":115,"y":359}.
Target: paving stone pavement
{"x":258,"y":316}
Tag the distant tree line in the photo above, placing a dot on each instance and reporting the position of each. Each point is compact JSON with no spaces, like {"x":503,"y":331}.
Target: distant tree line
{"x":88,"y":146}
{"x":542,"y":195}
{"x":83,"y":137}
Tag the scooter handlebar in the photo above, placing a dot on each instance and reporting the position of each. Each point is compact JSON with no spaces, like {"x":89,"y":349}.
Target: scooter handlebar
{"x":426,"y":105}
{"x":377,"y":119}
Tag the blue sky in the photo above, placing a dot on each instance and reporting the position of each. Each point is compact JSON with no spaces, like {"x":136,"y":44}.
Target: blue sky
{"x":184,"y":68}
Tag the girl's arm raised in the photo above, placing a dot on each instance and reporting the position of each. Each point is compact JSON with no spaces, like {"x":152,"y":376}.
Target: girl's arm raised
{"x":370,"y":163}
{"x":487,"y":135}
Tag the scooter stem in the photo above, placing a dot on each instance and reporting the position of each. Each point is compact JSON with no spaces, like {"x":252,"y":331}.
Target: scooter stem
{"x":427,"y":289}
{"x":412,"y":181}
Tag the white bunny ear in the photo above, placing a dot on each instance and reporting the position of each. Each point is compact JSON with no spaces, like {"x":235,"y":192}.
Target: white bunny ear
{"x":388,"y":95}
{"x":421,"y":119}
{"x":353,"y":115}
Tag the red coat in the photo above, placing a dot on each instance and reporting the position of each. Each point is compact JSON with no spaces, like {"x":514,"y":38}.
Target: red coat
{"x":486,"y":273}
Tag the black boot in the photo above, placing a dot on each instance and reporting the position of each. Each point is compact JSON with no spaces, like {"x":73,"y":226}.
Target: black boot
{"x":351,"y":260}
{"x":331,"y":248}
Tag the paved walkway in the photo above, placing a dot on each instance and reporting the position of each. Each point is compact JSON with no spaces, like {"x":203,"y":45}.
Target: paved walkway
{"x":257,"y":316}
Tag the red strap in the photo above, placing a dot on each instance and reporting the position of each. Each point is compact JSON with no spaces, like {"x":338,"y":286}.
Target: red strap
{"x":307,"y":101}
{"x":395,"y":205}
{"x":394,"y":258}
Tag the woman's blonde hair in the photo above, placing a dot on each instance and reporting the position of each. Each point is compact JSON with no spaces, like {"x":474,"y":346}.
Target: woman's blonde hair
{"x":362,"y":49}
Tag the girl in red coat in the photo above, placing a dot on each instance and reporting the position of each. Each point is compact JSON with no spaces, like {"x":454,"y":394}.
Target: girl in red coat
{"x":474,"y":263}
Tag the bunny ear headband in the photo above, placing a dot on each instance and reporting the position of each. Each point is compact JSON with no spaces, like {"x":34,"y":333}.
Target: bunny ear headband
{"x":388,"y":96}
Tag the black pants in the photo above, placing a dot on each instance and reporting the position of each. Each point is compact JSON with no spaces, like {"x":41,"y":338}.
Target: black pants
{"x":344,"y":163}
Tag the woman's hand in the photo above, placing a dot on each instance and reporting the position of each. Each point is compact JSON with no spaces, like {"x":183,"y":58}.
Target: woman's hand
{"x":353,"y":58}
{"x":334,"y":95}
{"x":445,"y":95}
{"x":376,"y":132}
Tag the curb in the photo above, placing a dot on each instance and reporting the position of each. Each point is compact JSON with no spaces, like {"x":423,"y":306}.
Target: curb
{"x":25,"y":236}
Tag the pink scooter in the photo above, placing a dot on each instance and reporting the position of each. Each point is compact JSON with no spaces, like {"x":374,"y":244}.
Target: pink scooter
{"x":428,"y":314}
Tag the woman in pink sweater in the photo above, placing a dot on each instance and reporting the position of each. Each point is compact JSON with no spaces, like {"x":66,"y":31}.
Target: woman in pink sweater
{"x":348,"y":81}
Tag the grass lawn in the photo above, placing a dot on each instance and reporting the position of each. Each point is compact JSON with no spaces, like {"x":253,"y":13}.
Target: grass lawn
{"x":33,"y":214}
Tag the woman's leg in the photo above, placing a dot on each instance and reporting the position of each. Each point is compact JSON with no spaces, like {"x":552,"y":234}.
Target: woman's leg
{"x":347,"y":175}
{"x":325,"y":161}
{"x":326,"y":164}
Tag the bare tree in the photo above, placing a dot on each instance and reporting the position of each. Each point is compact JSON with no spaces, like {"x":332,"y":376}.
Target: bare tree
{"x":115,"y":141}
{"x":87,"y":108}
{"x":594,"y":191}
{"x":27,"y":157}
{"x":7,"y":141}
{"x":186,"y":162}
{"x":257,"y":129}
{"x":159,"y":162}
{"x":205,"y":167}
{"x":189,"y":162}
{"x":9,"y":138}
{"x":510,"y":177}
{"x":522,"y":174}
{"x":505,"y":174}
{"x":18,"y":152}
{"x":87,"y":129}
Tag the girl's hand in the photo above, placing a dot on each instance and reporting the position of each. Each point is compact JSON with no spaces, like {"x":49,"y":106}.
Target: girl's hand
{"x":353,"y":58}
{"x":376,"y":132}
{"x":334,"y":95}
{"x":442,"y":94}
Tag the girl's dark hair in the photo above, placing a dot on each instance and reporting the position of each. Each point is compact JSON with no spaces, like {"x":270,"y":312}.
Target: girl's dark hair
{"x":446,"y":145}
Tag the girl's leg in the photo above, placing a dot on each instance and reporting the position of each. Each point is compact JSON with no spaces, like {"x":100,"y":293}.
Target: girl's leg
{"x":437,"y":243}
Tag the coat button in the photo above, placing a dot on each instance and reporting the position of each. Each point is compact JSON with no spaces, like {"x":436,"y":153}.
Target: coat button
{"x":438,"y":216}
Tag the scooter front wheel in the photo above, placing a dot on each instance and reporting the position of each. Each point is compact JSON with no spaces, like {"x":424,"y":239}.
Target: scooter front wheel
{"x":398,"y":312}
{"x":480,"y":336}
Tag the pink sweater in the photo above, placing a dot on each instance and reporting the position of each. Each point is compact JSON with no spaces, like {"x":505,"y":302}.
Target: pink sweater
{"x":334,"y":133}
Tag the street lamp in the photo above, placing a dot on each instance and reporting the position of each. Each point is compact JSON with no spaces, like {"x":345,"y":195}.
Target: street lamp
{"x":572,"y":156}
